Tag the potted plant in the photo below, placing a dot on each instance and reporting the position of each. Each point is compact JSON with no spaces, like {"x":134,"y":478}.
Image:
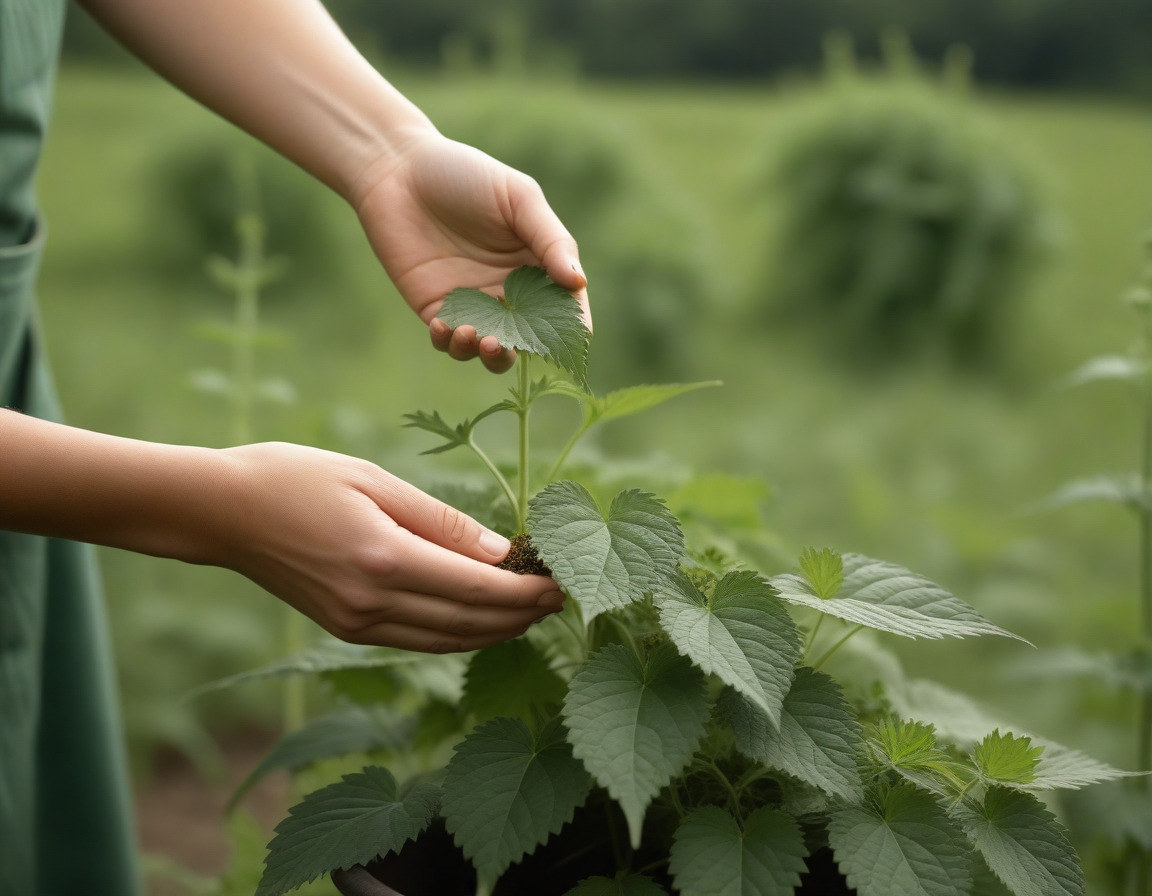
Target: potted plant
{"x":687,"y":724}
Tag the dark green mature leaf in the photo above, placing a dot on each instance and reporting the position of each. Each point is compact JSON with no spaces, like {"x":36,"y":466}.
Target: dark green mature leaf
{"x":512,"y":679}
{"x":635,"y":724}
{"x":535,"y":315}
{"x":632,"y":885}
{"x":888,"y":597}
{"x":818,"y":741}
{"x":357,"y":729}
{"x":1022,"y":843}
{"x":507,"y":791}
{"x":605,"y":562}
{"x":741,"y":633}
{"x":903,"y":846}
{"x":713,"y":856}
{"x":347,"y":823}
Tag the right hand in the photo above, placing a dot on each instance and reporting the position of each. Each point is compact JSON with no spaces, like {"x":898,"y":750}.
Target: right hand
{"x":370,"y":558}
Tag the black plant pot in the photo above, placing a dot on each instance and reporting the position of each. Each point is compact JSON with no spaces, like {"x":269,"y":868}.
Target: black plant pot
{"x":432,"y":865}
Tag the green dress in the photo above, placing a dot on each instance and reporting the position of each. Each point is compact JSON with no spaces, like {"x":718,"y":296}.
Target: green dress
{"x":66,"y":824}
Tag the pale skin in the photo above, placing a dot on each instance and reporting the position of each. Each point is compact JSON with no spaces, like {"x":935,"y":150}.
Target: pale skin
{"x":367,"y":556}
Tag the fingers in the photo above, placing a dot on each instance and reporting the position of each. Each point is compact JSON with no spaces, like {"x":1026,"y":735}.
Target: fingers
{"x":463,"y":344}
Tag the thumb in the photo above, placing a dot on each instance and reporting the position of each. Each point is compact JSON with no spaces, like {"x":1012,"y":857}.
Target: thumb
{"x":443,"y":524}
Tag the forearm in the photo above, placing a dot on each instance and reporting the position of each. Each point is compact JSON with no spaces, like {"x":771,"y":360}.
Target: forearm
{"x":59,"y":481}
{"x":281,"y":70}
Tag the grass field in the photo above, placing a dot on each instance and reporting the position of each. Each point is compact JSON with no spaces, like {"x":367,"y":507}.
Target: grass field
{"x":919,"y":467}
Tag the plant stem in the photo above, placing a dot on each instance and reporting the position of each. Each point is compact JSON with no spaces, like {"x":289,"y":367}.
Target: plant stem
{"x":832,"y":650}
{"x":523,"y":407}
{"x":812,"y":637}
{"x":565,"y":451}
{"x":501,"y":481}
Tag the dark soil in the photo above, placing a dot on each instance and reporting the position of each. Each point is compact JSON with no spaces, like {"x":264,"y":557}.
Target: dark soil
{"x":522,"y":558}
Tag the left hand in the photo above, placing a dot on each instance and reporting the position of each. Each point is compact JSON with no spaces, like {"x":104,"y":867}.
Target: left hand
{"x":442,"y":215}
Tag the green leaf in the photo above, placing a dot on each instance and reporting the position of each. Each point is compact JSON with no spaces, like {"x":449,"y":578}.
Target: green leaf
{"x":635,"y":723}
{"x":512,"y":679}
{"x":535,"y":315}
{"x":824,"y":570}
{"x":332,"y":657}
{"x":818,"y":741}
{"x":1124,"y":491}
{"x":902,"y":846}
{"x":1107,"y":367}
{"x":353,"y":821}
{"x":713,"y":856}
{"x":454,"y":436}
{"x":357,"y":729}
{"x":605,"y":562}
{"x":634,"y":400}
{"x":1007,"y":759}
{"x":909,"y":748}
{"x":741,"y":634}
{"x":1022,"y":843}
{"x":507,"y":791}
{"x":632,"y":885}
{"x":890,"y":598}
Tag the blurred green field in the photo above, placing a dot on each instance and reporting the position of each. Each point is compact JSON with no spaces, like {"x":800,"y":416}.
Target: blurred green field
{"x":915,"y":465}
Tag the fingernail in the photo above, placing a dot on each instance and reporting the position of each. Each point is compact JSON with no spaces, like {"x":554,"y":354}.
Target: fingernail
{"x":494,"y":543}
{"x":579,"y":270}
{"x":439,"y":328}
{"x":554,"y":599}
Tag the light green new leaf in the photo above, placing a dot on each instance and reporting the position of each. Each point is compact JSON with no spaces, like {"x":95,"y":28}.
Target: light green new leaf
{"x":742,"y":634}
{"x":888,"y":597}
{"x":909,"y":748}
{"x":634,"y":400}
{"x":535,"y":315}
{"x":1022,"y":843}
{"x":818,"y":740}
{"x":713,"y":856}
{"x":353,"y":821}
{"x":512,"y":679}
{"x":605,"y":562}
{"x":635,"y":724}
{"x":357,"y":729}
{"x":1007,"y":759}
{"x":507,"y":791}
{"x":824,"y":570}
{"x":903,"y":846}
{"x":632,"y":885}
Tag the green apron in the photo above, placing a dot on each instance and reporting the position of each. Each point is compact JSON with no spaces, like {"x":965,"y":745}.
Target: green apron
{"x":66,"y":824}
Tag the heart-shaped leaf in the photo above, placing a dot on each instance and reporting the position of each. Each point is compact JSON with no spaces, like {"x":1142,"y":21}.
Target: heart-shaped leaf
{"x":536,"y":315}
{"x":605,"y":562}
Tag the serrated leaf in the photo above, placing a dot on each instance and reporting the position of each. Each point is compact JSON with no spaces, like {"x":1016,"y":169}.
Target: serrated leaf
{"x":1007,"y":758}
{"x":909,"y":748}
{"x":351,"y":822}
{"x":507,"y":791}
{"x":354,"y":730}
{"x":605,"y":562}
{"x":632,"y":885}
{"x":535,"y":315}
{"x":1122,"y":490}
{"x":1107,"y":367}
{"x":902,"y":846}
{"x":512,"y":679}
{"x":741,"y":633}
{"x":818,"y":741}
{"x":454,"y":436}
{"x":713,"y":856}
{"x":824,"y":570}
{"x":1022,"y":843}
{"x":635,"y":724}
{"x":888,"y":597}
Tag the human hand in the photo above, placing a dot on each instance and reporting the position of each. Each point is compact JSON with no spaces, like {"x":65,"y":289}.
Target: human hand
{"x":441,"y":214}
{"x":370,"y":558}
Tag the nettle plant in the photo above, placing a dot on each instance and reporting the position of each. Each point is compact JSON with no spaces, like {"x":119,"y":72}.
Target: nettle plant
{"x":674,"y":729}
